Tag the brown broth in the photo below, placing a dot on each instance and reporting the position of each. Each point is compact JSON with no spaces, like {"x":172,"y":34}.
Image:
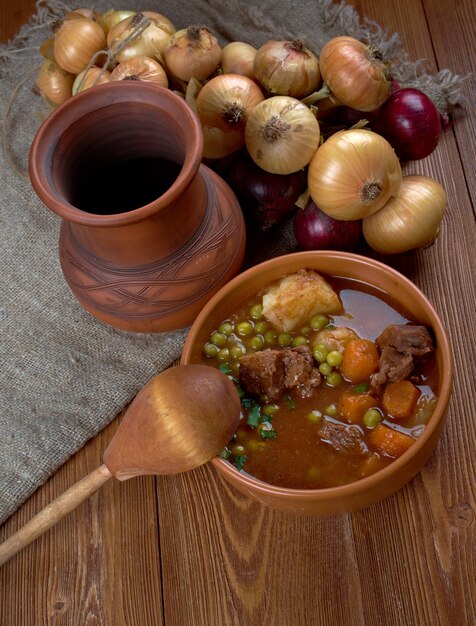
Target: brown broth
{"x":297,"y":457}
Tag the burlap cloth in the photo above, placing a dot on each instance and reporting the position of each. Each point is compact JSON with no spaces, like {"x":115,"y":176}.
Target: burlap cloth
{"x":63,"y":374}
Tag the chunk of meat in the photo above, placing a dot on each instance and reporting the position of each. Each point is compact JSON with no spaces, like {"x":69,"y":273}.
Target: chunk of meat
{"x":345,"y":439}
{"x":272,"y":372}
{"x":399,"y":344}
{"x":297,"y":297}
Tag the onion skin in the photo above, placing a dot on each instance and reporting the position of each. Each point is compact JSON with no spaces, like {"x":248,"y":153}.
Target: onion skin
{"x":282,"y":135}
{"x":410,"y":220}
{"x":223,"y":106}
{"x":354,"y":73}
{"x":54,"y":83}
{"x":75,"y":42}
{"x":315,"y":230}
{"x":238,"y":58}
{"x":192,"y":52}
{"x":287,"y":68}
{"x":353,"y":174}
{"x":90,"y":78}
{"x":150,"y":42}
{"x":410,"y":122}
{"x":141,"y":68}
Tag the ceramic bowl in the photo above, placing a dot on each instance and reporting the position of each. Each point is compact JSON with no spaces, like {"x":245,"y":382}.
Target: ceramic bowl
{"x":385,"y":482}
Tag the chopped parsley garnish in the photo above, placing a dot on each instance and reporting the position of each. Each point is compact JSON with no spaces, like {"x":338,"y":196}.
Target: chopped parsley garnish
{"x":254,"y":416}
{"x":240,"y":461}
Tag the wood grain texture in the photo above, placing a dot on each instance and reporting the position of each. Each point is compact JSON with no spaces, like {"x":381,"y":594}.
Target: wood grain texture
{"x":189,"y":549}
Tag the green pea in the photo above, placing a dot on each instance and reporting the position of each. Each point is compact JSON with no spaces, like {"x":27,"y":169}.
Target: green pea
{"x":218,"y":339}
{"x":331,"y":410}
{"x":325,"y":369}
{"x":226,"y":328}
{"x":223,"y":354}
{"x":318,"y":321}
{"x":314,"y":416}
{"x":300,"y":340}
{"x":334,"y":358}
{"x":210,"y":349}
{"x":257,"y":343}
{"x":270,"y":409}
{"x":372,"y":417}
{"x":235,"y":367}
{"x":245,"y":329}
{"x":237,"y":351}
{"x":256,"y":311}
{"x":261,"y":328}
{"x":270,"y":337}
{"x":320,"y":352}
{"x":285,"y":340}
{"x":334,"y":379}
{"x":305,"y":330}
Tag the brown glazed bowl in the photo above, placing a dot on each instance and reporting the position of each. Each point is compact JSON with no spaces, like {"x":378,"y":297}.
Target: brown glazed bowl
{"x":385,"y":482}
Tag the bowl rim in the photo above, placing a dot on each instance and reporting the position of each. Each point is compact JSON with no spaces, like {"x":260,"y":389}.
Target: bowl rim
{"x":363,"y":484}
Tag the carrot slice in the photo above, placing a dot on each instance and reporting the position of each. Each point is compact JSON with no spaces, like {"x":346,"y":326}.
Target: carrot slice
{"x":389,"y":441}
{"x":360,"y":360}
{"x":400,"y":399}
{"x":354,"y":405}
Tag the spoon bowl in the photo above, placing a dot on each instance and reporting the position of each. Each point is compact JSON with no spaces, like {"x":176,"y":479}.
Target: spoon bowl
{"x":180,"y":419}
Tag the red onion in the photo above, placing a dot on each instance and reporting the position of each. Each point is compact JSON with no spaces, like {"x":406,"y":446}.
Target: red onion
{"x":314,"y":230}
{"x":266,"y":198}
{"x":410,"y":122}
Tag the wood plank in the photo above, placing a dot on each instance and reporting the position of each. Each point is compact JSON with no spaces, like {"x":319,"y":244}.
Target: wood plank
{"x":12,"y":17}
{"x":100,"y":565}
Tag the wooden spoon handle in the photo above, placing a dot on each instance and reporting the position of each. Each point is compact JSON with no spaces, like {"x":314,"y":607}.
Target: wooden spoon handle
{"x":54,"y":512}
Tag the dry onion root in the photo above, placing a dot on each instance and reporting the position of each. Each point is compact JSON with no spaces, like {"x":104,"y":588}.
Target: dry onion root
{"x":223,"y":107}
{"x":409,"y":220}
{"x":282,"y":135}
{"x":354,"y":174}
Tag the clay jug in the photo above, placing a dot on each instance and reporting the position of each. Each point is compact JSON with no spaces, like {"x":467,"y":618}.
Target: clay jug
{"x":148,"y":233}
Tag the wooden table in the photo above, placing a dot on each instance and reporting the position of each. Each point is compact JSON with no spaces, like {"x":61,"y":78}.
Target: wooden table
{"x":189,"y":550}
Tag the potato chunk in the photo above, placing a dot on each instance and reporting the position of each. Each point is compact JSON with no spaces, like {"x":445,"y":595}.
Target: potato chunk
{"x":297,"y":297}
{"x":334,"y":338}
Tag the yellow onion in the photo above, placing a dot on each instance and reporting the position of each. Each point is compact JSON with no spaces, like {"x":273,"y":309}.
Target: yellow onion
{"x":90,"y":77}
{"x":111,"y":17}
{"x":47,"y":49}
{"x":192,"y":52}
{"x":409,"y":220}
{"x":54,"y":83}
{"x":150,"y":42}
{"x":353,"y":174}
{"x":355,"y":73}
{"x":281,"y":135}
{"x":81,"y":13}
{"x":287,"y":68}
{"x":238,"y":57}
{"x":223,"y":106}
{"x":141,"y":68}
{"x":75,"y":43}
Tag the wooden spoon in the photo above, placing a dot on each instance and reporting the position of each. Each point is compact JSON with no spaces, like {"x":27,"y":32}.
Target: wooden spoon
{"x":181,"y":419}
